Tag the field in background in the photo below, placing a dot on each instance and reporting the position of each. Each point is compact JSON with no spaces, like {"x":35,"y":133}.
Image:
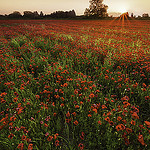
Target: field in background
{"x":74,"y":84}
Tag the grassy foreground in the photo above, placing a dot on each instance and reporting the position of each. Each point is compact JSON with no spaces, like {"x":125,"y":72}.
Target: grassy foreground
{"x":74,"y":85}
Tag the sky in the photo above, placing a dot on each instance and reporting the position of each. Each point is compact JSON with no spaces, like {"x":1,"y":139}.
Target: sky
{"x":138,"y":7}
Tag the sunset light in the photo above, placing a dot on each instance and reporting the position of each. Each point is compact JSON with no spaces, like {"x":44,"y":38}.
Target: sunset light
{"x":123,"y":10}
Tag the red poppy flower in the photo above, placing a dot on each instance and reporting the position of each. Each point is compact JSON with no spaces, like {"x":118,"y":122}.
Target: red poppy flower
{"x":81,"y":146}
{"x":20,"y":146}
{"x":56,"y":143}
{"x":135,"y":116}
{"x":76,"y":122}
{"x":30,"y":147}
{"x":133,"y":122}
{"x":140,"y":139}
{"x":147,"y":123}
{"x":49,"y":138}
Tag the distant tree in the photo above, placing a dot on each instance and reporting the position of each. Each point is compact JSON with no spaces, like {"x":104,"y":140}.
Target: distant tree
{"x":41,"y":14}
{"x":15,"y":14}
{"x":62,"y":14}
{"x":72,"y":14}
{"x":145,"y":15}
{"x":2,"y":16}
{"x":87,"y":12}
{"x":96,"y":9}
{"x":28,"y":14}
{"x":35,"y":15}
{"x":132,"y":15}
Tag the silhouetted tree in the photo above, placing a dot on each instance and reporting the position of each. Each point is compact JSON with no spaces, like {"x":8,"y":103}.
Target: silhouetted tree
{"x":15,"y":14}
{"x":2,"y":17}
{"x":145,"y":15}
{"x":28,"y":14}
{"x":36,"y":15}
{"x":132,"y":15}
{"x":96,"y":9}
{"x":62,"y":14}
{"x":41,"y":14}
{"x":31,"y":15}
{"x":72,"y":14}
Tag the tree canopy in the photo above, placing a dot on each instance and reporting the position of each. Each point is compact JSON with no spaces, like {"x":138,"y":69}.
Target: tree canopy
{"x":96,"y":9}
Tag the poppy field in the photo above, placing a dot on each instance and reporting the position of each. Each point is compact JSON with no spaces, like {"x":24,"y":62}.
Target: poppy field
{"x":74,"y":85}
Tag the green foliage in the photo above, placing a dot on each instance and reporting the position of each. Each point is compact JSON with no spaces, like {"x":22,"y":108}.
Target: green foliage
{"x":60,"y":89}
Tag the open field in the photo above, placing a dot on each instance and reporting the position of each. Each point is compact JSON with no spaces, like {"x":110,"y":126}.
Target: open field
{"x":74,"y":85}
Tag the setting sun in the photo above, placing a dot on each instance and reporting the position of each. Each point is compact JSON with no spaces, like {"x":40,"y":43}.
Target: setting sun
{"x":123,"y":10}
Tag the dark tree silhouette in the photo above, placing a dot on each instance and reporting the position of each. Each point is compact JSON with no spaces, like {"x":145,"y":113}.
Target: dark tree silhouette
{"x":31,"y":15}
{"x":15,"y":14}
{"x":41,"y":14}
{"x":62,"y":14}
{"x":96,"y":9}
{"x":35,"y":15}
{"x":28,"y":14}
{"x":145,"y":15}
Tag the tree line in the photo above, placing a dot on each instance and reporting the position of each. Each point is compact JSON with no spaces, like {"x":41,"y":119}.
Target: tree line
{"x":96,"y":10}
{"x":36,"y":15}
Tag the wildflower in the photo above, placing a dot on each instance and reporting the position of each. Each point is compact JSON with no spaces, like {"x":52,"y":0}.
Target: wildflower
{"x":124,"y":121}
{"x":56,"y":143}
{"x":119,"y":118}
{"x":13,"y":118}
{"x":140,"y":139}
{"x":75,"y":91}
{"x":45,"y":125}
{"x":77,"y":106}
{"x":30,"y":146}
{"x":89,"y":115}
{"x":135,"y":116}
{"x":46,"y":134}
{"x":107,"y":119}
{"x":81,"y":146}
{"x":81,"y":102}
{"x":82,"y":136}
{"x":147,"y":123}
{"x":129,"y":130}
{"x":103,"y":107}
{"x":120,"y":127}
{"x":65,"y":84}
{"x":76,"y":122}
{"x":20,"y":146}
{"x":37,"y":96}
{"x":56,"y":135}
{"x":144,"y":85}
{"x":11,"y":136}
{"x":95,"y":110}
{"x":133,"y":122}
{"x":111,"y":123}
{"x":15,"y":99}
{"x":141,"y":126}
{"x":49,"y":138}
{"x":62,"y":105}
{"x":41,"y":122}
{"x":126,"y":141}
{"x":91,"y":95}
{"x":99,"y":122}
{"x":23,"y":138}
{"x":74,"y":113}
